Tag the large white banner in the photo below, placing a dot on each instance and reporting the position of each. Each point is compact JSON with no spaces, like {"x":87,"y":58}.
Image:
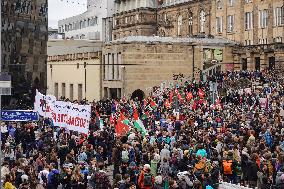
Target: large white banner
{"x":71,"y":116}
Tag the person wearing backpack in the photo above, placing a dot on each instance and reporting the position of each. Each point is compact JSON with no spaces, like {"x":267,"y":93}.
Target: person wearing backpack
{"x":146,"y":179}
{"x":228,"y":167}
{"x":53,"y":179}
{"x":200,"y":168}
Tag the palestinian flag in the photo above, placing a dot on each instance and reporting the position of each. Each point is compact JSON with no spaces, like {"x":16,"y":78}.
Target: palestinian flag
{"x":138,"y":123}
{"x":167,"y":104}
{"x":122,"y":127}
{"x":189,"y":96}
{"x":200,"y":93}
{"x":145,"y":115}
{"x":153,"y":104}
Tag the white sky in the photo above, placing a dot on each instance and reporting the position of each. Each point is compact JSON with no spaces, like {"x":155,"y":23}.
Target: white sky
{"x":60,"y":9}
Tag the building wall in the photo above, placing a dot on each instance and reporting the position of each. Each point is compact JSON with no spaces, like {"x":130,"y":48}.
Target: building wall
{"x":74,"y":74}
{"x":184,"y":18}
{"x":90,"y":24}
{"x":71,"y":58}
{"x":147,"y":65}
{"x":24,"y":37}
{"x":260,"y":40}
{"x":136,"y":22}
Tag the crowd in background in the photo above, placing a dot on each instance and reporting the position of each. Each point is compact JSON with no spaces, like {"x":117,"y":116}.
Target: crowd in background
{"x":192,"y":140}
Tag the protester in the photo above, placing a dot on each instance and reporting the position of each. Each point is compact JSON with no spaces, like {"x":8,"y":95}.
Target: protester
{"x":177,"y":137}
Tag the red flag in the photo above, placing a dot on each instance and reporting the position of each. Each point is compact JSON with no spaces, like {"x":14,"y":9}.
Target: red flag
{"x":201,"y":93}
{"x":180,"y":98}
{"x":135,"y":114}
{"x":153,"y":104}
{"x":121,"y":128}
{"x":189,"y":96}
{"x":167,"y":104}
{"x":171,"y":96}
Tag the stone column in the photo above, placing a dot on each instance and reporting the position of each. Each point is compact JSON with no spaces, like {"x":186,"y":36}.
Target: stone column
{"x":115,"y":66}
{"x":119,"y":65}
{"x":110,"y":71}
{"x":106,"y":67}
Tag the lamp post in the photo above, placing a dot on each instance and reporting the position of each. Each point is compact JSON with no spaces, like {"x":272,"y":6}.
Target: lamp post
{"x":85,"y":67}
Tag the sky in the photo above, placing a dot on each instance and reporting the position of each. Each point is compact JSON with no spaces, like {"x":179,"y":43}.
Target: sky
{"x":60,"y":9}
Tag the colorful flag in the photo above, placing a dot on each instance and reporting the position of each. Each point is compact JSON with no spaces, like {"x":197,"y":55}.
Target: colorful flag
{"x":189,"y":96}
{"x":153,"y":104}
{"x":138,"y":123}
{"x":180,"y":97}
{"x":171,"y":96}
{"x":121,"y":127}
{"x":167,"y":104}
{"x":145,"y":115}
{"x":201,"y":93}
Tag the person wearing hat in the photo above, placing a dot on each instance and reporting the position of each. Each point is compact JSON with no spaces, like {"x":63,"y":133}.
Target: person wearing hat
{"x":146,"y":180}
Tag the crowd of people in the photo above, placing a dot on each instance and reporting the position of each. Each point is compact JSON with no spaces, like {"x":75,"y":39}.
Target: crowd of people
{"x":189,"y":140}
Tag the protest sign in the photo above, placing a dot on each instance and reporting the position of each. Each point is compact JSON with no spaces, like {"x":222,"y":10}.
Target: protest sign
{"x":263,"y":102}
{"x":71,"y":116}
{"x":19,"y":115}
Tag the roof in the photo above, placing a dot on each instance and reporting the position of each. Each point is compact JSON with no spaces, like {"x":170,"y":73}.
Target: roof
{"x":191,"y":40}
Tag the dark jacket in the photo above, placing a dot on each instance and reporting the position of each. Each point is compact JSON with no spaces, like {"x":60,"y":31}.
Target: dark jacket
{"x":252,"y":170}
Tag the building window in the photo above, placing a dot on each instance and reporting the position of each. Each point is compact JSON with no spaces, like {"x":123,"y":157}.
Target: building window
{"x":63,"y":90}
{"x":278,"y":16}
{"x":190,"y":24}
{"x":230,"y":23}
{"x":263,"y":18}
{"x":277,"y":39}
{"x":179,"y":25}
{"x":231,"y":3}
{"x":71,"y":91}
{"x":202,"y":21}
{"x":248,"y":20}
{"x":80,"y":92}
{"x":219,"y":4}
{"x":56,"y":90}
{"x":219,"y":25}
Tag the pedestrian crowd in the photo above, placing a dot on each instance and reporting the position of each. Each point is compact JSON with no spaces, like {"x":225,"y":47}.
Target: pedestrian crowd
{"x":189,"y":137}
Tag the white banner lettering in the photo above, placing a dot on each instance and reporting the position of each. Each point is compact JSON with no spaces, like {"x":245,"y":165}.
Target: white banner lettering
{"x":71,"y":116}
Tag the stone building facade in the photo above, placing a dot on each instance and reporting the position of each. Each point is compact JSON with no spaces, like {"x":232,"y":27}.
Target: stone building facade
{"x":184,"y":18}
{"x":23,"y":38}
{"x":137,"y":63}
{"x":257,"y":25}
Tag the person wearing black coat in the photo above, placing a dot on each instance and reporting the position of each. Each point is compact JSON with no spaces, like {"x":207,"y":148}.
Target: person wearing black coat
{"x":252,"y":173}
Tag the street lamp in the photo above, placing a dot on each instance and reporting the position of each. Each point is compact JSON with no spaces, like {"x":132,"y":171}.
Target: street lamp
{"x":85,"y":67}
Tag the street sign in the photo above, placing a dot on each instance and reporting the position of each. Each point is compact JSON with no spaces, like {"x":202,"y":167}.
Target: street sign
{"x":5,"y":84}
